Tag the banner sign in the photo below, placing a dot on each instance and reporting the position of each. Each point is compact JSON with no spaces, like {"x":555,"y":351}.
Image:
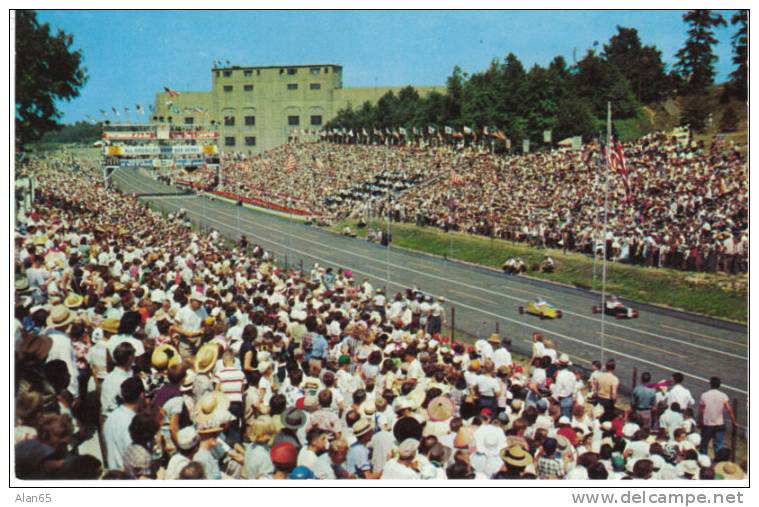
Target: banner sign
{"x":146,"y":162}
{"x":129,"y":135}
{"x":526,"y":146}
{"x":118,"y":150}
{"x":547,"y":136}
{"x":194,"y":135}
{"x":182,"y":162}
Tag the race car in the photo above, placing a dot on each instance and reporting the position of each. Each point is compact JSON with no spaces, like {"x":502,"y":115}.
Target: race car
{"x":540,"y":308}
{"x":615,"y":308}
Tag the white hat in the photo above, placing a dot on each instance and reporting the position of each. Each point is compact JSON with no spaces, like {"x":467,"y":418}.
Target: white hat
{"x":187,"y":438}
{"x":564,"y":420}
{"x":695,"y":439}
{"x":408,"y":448}
{"x":704,"y":461}
{"x":157,"y":296}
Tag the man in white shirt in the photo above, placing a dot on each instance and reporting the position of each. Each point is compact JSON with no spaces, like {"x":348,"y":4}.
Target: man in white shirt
{"x":679,"y":394}
{"x":501,"y":355}
{"x":188,"y":323}
{"x":116,"y":427}
{"x":565,"y":386}
{"x":405,"y":465}
{"x":123,"y":357}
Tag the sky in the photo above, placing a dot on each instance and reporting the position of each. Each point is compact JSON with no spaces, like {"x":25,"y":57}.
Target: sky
{"x":131,"y":55}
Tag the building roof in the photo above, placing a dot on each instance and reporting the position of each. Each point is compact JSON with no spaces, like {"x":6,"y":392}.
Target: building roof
{"x":243,"y":67}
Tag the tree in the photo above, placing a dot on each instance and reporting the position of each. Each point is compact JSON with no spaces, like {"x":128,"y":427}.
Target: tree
{"x":600,"y":82}
{"x":575,"y":118}
{"x":739,"y":77}
{"x":642,"y":66}
{"x":47,"y":71}
{"x":695,"y":60}
{"x":729,"y":120}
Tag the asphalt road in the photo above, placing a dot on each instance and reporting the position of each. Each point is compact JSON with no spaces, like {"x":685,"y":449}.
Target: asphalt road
{"x":659,"y":341}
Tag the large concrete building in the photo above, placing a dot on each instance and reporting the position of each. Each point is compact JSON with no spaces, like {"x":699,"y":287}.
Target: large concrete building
{"x":258,"y":108}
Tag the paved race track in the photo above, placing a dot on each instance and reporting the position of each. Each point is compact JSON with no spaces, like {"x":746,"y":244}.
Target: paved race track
{"x":659,"y":341}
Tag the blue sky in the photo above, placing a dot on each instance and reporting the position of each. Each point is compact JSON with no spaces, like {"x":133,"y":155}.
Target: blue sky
{"x":128,"y":59}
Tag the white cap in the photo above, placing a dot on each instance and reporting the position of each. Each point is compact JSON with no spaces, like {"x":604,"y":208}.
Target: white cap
{"x":187,"y":438}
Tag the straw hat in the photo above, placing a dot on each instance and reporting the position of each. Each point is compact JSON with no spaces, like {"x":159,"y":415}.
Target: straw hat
{"x":206,"y":357}
{"x":73,"y":301}
{"x":494,"y":338}
{"x":165,"y":356}
{"x":729,"y":471}
{"x":440,"y":409}
{"x":516,"y":456}
{"x":60,"y":316}
{"x":110,"y":326}
{"x":464,"y":438}
{"x":211,"y":412}
{"x":361,"y":428}
{"x":261,"y":430}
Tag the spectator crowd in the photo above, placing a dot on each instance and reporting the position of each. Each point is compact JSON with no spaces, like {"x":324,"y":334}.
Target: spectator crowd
{"x":184,"y":358}
{"x":687,"y":207}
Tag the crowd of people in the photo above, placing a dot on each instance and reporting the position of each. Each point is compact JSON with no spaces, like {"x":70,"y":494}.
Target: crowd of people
{"x":686,"y":208}
{"x":184,"y":358}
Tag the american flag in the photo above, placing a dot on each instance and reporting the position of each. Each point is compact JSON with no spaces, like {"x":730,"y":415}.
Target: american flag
{"x":617,"y":164}
{"x":456,"y":179}
{"x":291,"y":163}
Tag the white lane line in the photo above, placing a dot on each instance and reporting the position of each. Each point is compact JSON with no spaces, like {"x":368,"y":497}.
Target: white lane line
{"x":704,"y":335}
{"x":483,"y":289}
{"x":650,"y":347}
{"x":464,"y":305}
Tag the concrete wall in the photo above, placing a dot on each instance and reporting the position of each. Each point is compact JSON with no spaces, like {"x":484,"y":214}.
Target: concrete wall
{"x":274,"y":96}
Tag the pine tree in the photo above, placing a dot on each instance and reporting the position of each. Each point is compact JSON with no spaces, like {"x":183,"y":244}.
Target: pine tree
{"x":695,"y":60}
{"x":739,"y":77}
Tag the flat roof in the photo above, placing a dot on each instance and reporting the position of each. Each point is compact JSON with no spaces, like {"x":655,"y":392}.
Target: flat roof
{"x":242,"y":67}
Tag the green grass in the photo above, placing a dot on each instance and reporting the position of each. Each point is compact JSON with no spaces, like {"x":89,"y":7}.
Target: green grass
{"x":712,"y":294}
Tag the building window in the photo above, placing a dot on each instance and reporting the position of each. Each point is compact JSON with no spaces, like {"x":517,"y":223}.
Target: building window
{"x":316,"y":119}
{"x":228,"y":88}
{"x":227,"y":73}
{"x":292,"y":72}
{"x":248,"y":88}
{"x":315,"y":71}
{"x":218,"y":74}
{"x":250,"y":121}
{"x":315,"y":86}
{"x":189,"y":120}
{"x":250,"y":141}
{"x":293,"y":121}
{"x":326,"y":70}
{"x":229,"y":121}
{"x":292,"y":86}
{"x":247,"y":73}
{"x":229,"y":141}
{"x":258,"y":72}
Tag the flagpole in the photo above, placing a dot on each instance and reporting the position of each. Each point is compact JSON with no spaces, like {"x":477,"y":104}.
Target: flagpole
{"x":606,"y":213}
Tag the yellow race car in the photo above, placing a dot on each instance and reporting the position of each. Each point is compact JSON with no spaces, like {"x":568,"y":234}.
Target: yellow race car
{"x":540,"y":308}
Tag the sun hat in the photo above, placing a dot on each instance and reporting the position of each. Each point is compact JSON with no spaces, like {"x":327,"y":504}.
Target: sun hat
{"x":516,"y":456}
{"x":361,"y":428}
{"x":60,"y":316}
{"x":22,"y":286}
{"x":729,"y":471}
{"x":210,"y":412}
{"x":564,"y":359}
{"x":293,"y":418}
{"x":36,"y":347}
{"x":464,"y":438}
{"x":489,"y":440}
{"x":440,"y":409}
{"x":206,"y":357}
{"x":407,"y":448}
{"x":688,"y":466}
{"x":283,"y":454}
{"x":187,"y":437}
{"x":73,"y":300}
{"x":188,"y":382}
{"x":261,"y":430}
{"x":165,"y":356}
{"x":110,"y":326}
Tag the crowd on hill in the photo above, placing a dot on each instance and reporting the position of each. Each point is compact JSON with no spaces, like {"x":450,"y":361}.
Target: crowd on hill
{"x":186,"y":359}
{"x":687,"y":207}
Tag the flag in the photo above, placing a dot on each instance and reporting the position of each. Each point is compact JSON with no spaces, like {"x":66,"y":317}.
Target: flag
{"x":467,"y":131}
{"x":350,"y":133}
{"x":485,"y":131}
{"x":139,"y":110}
{"x":402,"y":131}
{"x":456,"y":180}
{"x":448,"y":130}
{"x":172,"y":93}
{"x":617,"y":164}
{"x":364,"y":132}
{"x":126,"y":109}
{"x":104,"y":113}
{"x":115,"y":111}
{"x":291,"y":163}
{"x":500,"y":135}
{"x":431,"y":129}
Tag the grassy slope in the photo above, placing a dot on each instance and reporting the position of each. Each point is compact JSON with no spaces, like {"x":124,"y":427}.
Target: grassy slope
{"x":715,"y":295}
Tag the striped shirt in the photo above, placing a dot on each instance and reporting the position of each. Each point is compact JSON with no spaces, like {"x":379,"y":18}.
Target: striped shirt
{"x":231,"y":380}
